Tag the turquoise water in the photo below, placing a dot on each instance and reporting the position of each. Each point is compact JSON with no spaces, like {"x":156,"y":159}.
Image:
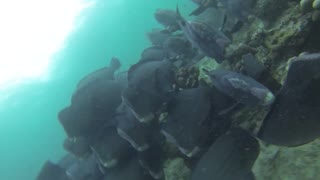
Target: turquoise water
{"x":30,"y":132}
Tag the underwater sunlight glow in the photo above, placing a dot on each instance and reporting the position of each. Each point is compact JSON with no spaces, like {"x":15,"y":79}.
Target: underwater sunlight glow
{"x":31,"y":33}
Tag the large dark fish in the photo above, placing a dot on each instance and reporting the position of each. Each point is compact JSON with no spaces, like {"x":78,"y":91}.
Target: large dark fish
{"x":122,"y":78}
{"x":242,"y":88}
{"x":221,"y":103}
{"x":213,"y":17}
{"x":187,"y":123}
{"x":152,"y":159}
{"x":149,"y":84}
{"x":78,"y":146}
{"x":84,"y":169}
{"x":106,"y":73}
{"x":167,"y":18}
{"x":203,"y":5}
{"x":133,"y":131}
{"x":294,"y":117}
{"x":154,"y":77}
{"x":110,"y":149}
{"x":251,"y":66}
{"x":143,"y":105}
{"x":92,"y":106}
{"x":208,"y":40}
{"x":158,"y":36}
{"x":131,"y":170}
{"x":67,"y":161}
{"x":154,"y":53}
{"x":238,"y":9}
{"x":177,"y":48}
{"x":52,"y":171}
{"x":231,"y":157}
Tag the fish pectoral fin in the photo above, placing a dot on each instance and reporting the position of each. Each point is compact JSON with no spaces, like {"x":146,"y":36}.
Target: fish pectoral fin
{"x":198,"y":11}
{"x":225,"y":18}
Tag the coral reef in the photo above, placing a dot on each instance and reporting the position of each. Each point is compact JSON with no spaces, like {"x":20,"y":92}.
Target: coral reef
{"x":270,"y":9}
{"x":284,"y":30}
{"x":281,"y":30}
{"x":206,"y":64}
{"x":290,"y":32}
{"x":263,"y":167}
{"x":288,"y":163}
{"x":298,"y":163}
{"x":274,"y":41}
{"x":187,"y":77}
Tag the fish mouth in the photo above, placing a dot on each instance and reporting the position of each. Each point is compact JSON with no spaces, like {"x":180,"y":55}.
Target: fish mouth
{"x":125,"y":136}
{"x":268,"y":99}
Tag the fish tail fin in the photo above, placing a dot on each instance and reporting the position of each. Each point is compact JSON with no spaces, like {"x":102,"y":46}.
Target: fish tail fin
{"x":115,"y":63}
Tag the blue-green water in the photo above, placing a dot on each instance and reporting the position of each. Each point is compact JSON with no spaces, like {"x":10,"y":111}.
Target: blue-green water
{"x":29,"y":130}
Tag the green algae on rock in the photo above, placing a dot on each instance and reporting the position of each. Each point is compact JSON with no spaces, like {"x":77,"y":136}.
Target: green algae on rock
{"x":270,"y":9}
{"x":176,"y":169}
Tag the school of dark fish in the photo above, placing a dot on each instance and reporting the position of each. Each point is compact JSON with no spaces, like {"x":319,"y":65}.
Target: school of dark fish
{"x":118,"y":122}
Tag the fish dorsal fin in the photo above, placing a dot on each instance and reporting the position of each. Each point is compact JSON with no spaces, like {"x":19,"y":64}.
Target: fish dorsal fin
{"x":179,"y":16}
{"x":114,"y":64}
{"x":134,"y":68}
